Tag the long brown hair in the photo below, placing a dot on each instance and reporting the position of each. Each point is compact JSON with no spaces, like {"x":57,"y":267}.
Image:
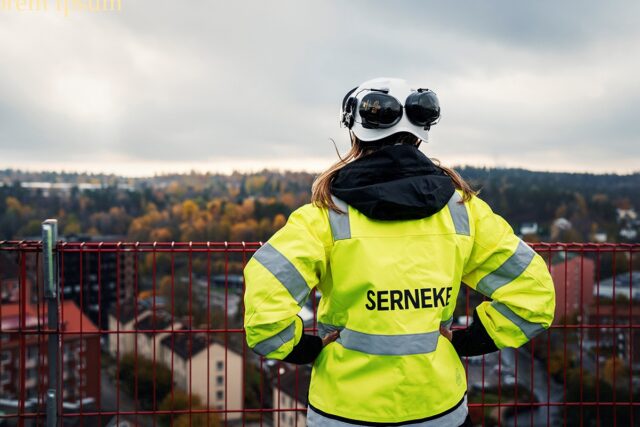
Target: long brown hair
{"x":321,"y":188}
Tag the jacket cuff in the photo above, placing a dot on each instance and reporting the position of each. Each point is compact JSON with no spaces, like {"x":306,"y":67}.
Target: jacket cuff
{"x":474,"y":340}
{"x":306,"y":351}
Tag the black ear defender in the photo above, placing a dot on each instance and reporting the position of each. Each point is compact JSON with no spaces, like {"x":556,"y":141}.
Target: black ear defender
{"x":347,"y":118}
{"x":423,"y":108}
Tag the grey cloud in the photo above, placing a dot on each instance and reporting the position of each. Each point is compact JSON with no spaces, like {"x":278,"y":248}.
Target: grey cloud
{"x":542,"y":25}
{"x":193,"y":81}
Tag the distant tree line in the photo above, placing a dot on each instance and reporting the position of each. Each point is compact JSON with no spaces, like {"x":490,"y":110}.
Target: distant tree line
{"x":253,"y":206}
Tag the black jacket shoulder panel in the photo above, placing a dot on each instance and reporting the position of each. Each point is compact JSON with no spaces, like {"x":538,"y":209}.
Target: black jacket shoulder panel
{"x":394,"y":183}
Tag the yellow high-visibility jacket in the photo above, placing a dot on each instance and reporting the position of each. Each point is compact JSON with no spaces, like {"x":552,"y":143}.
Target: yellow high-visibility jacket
{"x":388,"y":286}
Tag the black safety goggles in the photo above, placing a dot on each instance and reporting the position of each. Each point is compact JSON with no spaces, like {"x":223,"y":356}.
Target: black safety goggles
{"x":379,"y":110}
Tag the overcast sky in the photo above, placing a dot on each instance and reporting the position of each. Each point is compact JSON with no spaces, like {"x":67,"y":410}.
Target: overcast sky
{"x":179,"y":85}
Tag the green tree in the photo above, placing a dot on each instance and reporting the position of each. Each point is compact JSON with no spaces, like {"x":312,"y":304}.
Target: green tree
{"x":140,"y":377}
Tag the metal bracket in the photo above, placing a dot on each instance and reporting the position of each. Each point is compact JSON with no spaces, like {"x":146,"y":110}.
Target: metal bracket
{"x":52,"y":294}
{"x":49,"y":239}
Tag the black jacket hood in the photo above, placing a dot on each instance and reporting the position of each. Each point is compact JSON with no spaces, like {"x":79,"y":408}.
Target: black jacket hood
{"x":393,"y":183}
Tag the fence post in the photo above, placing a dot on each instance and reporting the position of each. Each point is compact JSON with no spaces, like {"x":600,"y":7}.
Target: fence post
{"x":52,"y":295}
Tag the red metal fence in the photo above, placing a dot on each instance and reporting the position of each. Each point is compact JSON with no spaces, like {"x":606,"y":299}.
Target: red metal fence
{"x":151,"y":334}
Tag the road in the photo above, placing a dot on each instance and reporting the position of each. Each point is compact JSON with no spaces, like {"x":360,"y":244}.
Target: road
{"x":544,"y":388}
{"x":110,"y":402}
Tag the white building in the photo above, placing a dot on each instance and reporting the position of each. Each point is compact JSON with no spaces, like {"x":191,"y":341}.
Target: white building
{"x":600,"y":237}
{"x":199,"y":366}
{"x":122,"y":320}
{"x":203,"y":367}
{"x":150,"y":331}
{"x":626,"y":214}
{"x":528,"y":228}
{"x":627,"y":285}
{"x":290,"y":393}
{"x":628,"y":233}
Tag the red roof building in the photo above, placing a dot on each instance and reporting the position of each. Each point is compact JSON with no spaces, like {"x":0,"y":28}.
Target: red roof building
{"x":23,"y":353}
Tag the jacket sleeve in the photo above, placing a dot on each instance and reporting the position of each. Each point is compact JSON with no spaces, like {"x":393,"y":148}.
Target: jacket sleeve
{"x":504,"y":268}
{"x":279,"y":278}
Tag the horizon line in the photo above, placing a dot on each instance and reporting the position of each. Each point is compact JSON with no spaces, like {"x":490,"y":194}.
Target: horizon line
{"x":269,"y":168}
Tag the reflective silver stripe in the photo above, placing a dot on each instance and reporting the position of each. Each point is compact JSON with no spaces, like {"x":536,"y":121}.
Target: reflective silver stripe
{"x":284,"y":271}
{"x":340,"y":227}
{"x":270,"y":344}
{"x":325,"y":328}
{"x":459,"y":214}
{"x":453,"y":418}
{"x":389,"y":345}
{"x":513,"y":267}
{"x":394,"y":345}
{"x":530,"y":329}
{"x":447,"y":323}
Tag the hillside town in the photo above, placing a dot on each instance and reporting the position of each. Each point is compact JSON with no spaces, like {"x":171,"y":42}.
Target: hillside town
{"x":146,"y":329}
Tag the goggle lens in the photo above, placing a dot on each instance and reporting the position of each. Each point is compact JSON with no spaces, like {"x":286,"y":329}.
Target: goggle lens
{"x":379,"y":110}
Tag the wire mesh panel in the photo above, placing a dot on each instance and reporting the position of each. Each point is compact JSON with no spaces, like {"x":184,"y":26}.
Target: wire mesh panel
{"x":23,"y":334}
{"x":584,"y":369}
{"x":151,"y":334}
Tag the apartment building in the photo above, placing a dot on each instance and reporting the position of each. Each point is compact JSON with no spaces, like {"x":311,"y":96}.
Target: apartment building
{"x":79,"y":359}
{"x":203,"y":366}
{"x":290,"y":391}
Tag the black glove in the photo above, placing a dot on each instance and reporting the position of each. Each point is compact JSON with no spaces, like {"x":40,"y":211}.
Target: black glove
{"x":474,"y":340}
{"x":305,"y":351}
